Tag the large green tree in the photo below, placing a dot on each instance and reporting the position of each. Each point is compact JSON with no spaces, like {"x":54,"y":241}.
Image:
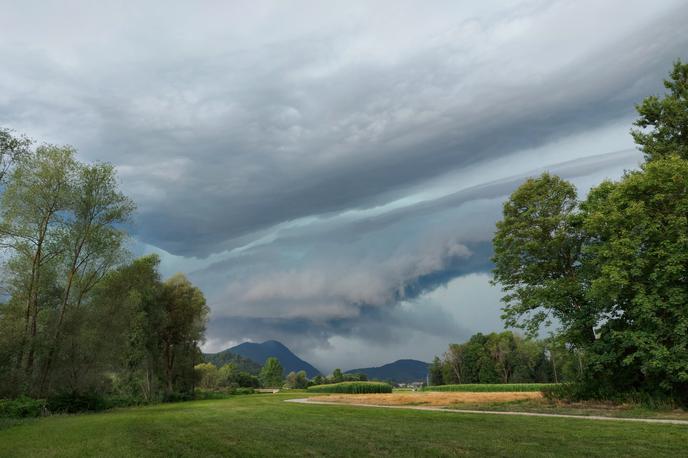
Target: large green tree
{"x":272,"y":373}
{"x":537,"y":257}
{"x":638,"y":258}
{"x":662,"y":128}
{"x":612,"y":269}
{"x":183,"y":328}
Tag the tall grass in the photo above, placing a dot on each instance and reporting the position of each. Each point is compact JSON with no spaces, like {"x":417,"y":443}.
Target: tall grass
{"x":352,"y":388}
{"x":492,"y":387}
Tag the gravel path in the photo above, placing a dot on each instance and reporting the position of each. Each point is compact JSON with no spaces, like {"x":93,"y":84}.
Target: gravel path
{"x":492,"y":412}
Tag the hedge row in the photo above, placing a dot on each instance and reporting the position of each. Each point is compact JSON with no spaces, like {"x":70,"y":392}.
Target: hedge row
{"x":492,"y":387}
{"x":352,"y":388}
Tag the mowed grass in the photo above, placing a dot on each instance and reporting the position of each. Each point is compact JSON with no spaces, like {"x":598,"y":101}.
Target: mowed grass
{"x":491,"y":387}
{"x":264,"y":425}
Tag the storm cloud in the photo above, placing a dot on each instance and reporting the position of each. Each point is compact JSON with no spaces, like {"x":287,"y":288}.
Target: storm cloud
{"x":321,"y":169}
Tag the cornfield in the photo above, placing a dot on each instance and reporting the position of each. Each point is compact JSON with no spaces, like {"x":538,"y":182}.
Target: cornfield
{"x":352,"y":388}
{"x":492,"y":387}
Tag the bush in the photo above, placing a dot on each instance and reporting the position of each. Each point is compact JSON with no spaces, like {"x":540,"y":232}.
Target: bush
{"x":22,"y":407}
{"x":76,"y":402}
{"x":352,"y":388}
{"x":582,"y":391}
{"x":178,"y":397}
{"x":493,"y":387}
{"x":242,"y":390}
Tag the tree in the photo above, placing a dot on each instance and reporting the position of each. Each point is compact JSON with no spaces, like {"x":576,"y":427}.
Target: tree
{"x":92,"y":242}
{"x":185,"y":316}
{"x":208,"y":376}
{"x":435,"y":372}
{"x":125,"y":315}
{"x":337,"y":375}
{"x":610,"y":269}
{"x":271,"y":375}
{"x":638,"y":263}
{"x":297,"y":380}
{"x":663,"y":123}
{"x":537,"y":257}
{"x":35,"y":207}
{"x":12,"y":150}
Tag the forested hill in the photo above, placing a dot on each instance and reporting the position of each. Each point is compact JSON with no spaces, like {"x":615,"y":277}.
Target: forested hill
{"x":259,"y":352}
{"x":401,"y":371}
{"x":227,"y":357}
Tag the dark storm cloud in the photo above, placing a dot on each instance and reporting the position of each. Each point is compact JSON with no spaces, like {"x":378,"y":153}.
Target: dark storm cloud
{"x":348,"y":278}
{"x":219,"y":139}
{"x":305,"y":148}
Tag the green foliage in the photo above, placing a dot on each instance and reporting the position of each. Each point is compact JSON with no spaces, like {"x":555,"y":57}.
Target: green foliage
{"x":352,"y":388}
{"x":501,"y":358}
{"x":76,"y":402}
{"x":493,"y":387}
{"x":22,"y":407}
{"x":271,"y":373}
{"x":239,"y":362}
{"x":638,"y":278}
{"x":611,"y":269}
{"x":435,"y":372}
{"x":537,"y":251}
{"x":297,"y":380}
{"x":208,"y":375}
{"x":337,"y":376}
{"x":12,"y":149}
{"x":663,"y":122}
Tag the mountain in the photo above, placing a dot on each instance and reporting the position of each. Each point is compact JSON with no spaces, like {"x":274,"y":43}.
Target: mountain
{"x":227,"y":357}
{"x":401,"y":371}
{"x":259,"y":352}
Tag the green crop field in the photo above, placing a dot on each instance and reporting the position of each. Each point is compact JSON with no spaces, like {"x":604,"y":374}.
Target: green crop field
{"x":264,"y":425}
{"x":491,"y":387}
{"x":352,"y":388}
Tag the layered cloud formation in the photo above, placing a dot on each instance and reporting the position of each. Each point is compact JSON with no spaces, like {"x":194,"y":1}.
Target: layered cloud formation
{"x":320,"y":169}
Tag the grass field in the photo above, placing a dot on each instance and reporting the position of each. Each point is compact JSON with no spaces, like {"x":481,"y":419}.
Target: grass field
{"x":264,"y":425}
{"x":491,"y":387}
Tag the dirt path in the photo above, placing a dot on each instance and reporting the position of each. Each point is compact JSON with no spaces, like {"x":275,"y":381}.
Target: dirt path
{"x":492,"y":412}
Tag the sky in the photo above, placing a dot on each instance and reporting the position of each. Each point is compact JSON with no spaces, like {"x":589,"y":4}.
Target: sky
{"x":330,"y":173}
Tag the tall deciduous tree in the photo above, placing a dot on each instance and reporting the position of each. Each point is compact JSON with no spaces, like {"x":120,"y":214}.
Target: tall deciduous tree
{"x":35,"y":207}
{"x":184,"y":320}
{"x":663,"y":122}
{"x":272,"y":373}
{"x":537,"y":257}
{"x":92,"y":241}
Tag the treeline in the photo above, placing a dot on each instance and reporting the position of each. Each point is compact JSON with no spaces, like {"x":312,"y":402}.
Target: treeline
{"x":612,"y":268}
{"x":77,"y":316}
{"x":505,"y":358}
{"x":230,"y":376}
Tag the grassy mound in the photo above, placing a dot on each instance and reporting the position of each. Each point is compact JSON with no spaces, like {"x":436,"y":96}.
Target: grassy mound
{"x":492,"y":387}
{"x":352,"y":388}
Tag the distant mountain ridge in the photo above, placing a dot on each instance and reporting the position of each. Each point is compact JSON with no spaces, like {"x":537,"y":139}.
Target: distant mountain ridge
{"x":400,"y":371}
{"x":260,"y":352}
{"x":227,"y":357}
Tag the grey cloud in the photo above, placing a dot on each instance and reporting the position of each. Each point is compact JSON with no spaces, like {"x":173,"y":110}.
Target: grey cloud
{"x":271,"y":138}
{"x":238,"y":139}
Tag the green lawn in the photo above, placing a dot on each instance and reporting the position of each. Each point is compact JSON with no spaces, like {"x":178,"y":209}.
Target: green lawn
{"x":264,"y":425}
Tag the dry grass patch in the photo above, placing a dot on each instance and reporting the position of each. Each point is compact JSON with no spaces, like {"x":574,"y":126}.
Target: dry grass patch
{"x":437,"y":399}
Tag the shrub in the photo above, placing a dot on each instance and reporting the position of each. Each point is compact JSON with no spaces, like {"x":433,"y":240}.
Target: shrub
{"x":493,"y":387}
{"x":22,"y":407}
{"x":242,"y":390}
{"x":352,"y":388}
{"x":76,"y":402}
